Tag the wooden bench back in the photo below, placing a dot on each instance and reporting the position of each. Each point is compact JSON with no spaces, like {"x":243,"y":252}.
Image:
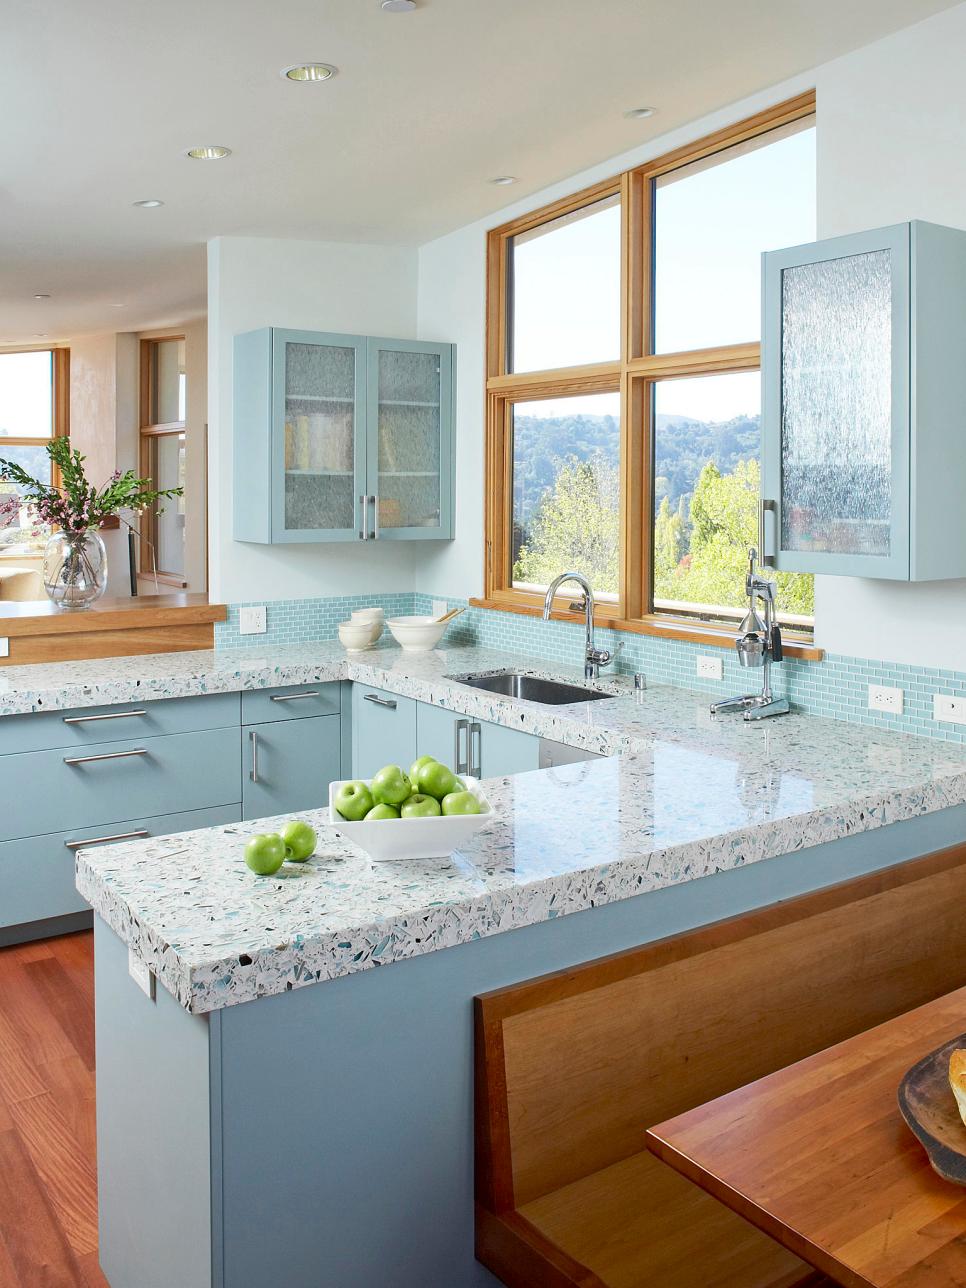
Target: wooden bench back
{"x":571,"y":1067}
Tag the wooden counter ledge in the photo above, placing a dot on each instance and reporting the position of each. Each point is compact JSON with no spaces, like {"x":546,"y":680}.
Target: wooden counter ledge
{"x":38,"y":631}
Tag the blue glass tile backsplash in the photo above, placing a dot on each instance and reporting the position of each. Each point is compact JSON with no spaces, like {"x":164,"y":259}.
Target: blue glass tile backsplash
{"x":836,"y":687}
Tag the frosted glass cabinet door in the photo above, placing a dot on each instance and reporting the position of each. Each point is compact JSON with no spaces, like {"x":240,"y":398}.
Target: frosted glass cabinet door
{"x":318,"y":452}
{"x":410,"y":438}
{"x":835,"y":368}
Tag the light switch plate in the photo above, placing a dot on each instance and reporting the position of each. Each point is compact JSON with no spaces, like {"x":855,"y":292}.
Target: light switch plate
{"x":253,"y":621}
{"x":4,"y":646}
{"x":440,"y":606}
{"x":884,"y":698}
{"x":141,"y":974}
{"x":946,"y":707}
{"x":710,"y":668}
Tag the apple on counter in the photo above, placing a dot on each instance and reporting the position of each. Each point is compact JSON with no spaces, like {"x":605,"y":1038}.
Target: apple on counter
{"x":266,"y":853}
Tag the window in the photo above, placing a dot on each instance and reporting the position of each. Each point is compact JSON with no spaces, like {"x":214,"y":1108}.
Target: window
{"x":623,"y":391}
{"x":163,"y":446}
{"x":33,"y":410}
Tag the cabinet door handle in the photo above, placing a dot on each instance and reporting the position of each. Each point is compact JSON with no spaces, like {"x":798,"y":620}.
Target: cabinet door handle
{"x":107,"y":840}
{"x":111,"y":715}
{"x":462,"y":756}
{"x":253,"y":739}
{"x":476,"y":739}
{"x":364,"y":516}
{"x":375,"y":517}
{"x":107,"y":755}
{"x":765,"y":507}
{"x":294,"y":697}
{"x":380,"y":702}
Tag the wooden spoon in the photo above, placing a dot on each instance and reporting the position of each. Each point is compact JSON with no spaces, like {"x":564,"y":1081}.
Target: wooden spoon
{"x":448,"y":617}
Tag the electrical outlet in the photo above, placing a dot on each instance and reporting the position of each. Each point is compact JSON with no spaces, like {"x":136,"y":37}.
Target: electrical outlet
{"x":882,"y":698}
{"x":710,"y":668}
{"x":253,"y":621}
{"x":440,"y":607}
{"x":4,"y":646}
{"x":946,"y":707}
{"x":141,"y":974}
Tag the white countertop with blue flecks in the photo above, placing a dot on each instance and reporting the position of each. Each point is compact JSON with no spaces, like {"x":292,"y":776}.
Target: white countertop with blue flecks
{"x":680,"y":796}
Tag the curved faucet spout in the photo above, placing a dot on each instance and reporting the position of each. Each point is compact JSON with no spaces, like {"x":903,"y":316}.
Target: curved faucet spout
{"x":594,"y":658}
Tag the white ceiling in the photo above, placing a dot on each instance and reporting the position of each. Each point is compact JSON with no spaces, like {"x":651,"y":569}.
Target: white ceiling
{"x":100,"y":99}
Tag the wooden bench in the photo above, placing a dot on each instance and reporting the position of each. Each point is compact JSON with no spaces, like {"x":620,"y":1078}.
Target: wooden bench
{"x":572,"y":1067}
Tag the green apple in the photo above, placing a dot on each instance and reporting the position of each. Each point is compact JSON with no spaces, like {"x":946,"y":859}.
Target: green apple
{"x":460,"y":785}
{"x":354,"y":800}
{"x":381,"y":811}
{"x":391,"y":786}
{"x":436,"y":780}
{"x":299,"y":840}
{"x":420,"y":806}
{"x":461,"y":803}
{"x":265,"y":853}
{"x":417,"y":765}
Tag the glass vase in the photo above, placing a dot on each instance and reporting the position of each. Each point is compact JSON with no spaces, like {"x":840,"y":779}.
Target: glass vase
{"x":75,"y":568}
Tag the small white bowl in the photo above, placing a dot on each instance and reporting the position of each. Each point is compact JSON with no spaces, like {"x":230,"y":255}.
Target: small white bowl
{"x":355,"y":636}
{"x":412,"y":838}
{"x":374,"y":618}
{"x":417,"y":634}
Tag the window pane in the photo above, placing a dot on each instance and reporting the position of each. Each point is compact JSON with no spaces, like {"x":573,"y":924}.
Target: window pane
{"x":712,"y":221}
{"x":706,"y":489}
{"x":170,"y":382}
{"x":566,"y":491}
{"x":565,"y":290}
{"x":19,"y":530}
{"x":170,"y":472}
{"x":26,"y":395}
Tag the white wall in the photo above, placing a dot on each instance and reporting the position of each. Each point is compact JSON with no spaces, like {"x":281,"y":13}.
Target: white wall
{"x":892,"y":125}
{"x":319,"y":286}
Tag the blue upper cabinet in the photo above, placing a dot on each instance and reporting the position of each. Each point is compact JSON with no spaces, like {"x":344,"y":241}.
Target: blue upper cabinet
{"x":863,"y":404}
{"x":341,"y":438}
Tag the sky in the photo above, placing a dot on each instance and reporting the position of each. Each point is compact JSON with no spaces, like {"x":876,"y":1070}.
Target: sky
{"x":25,"y":394}
{"x":711,"y":227}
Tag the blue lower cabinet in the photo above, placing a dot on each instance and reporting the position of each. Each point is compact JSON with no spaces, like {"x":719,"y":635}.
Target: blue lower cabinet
{"x":37,"y":874}
{"x":475,"y":747}
{"x":288,"y":764}
{"x":383,"y":730}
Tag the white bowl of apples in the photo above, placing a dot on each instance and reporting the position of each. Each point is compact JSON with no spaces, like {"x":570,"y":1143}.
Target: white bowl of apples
{"x":425,"y":814}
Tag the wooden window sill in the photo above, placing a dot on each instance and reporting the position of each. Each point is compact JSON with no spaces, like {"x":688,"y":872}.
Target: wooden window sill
{"x":665,"y":627}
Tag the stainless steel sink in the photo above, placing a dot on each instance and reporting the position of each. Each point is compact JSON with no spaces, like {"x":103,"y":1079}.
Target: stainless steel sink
{"x":513,"y":684}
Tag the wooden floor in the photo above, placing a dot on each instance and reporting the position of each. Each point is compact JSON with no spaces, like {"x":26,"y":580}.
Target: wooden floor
{"x":48,"y":1181}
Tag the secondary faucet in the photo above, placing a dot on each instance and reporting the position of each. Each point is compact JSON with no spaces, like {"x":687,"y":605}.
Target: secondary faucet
{"x":759,"y":643}
{"x":594,"y":658}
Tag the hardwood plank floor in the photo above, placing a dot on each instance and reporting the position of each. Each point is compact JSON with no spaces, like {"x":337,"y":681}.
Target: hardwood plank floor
{"x":48,"y":1163}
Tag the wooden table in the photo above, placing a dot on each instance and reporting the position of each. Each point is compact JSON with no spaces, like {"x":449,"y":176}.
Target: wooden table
{"x":818,"y":1156}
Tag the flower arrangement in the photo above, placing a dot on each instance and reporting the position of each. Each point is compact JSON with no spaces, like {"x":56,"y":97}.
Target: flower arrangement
{"x":76,"y":505}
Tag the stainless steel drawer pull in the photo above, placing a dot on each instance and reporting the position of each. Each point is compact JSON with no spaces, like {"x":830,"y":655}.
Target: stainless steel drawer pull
{"x":294,"y":697}
{"x":380,"y":702}
{"x":112,"y":715}
{"x":253,"y":772}
{"x":108,"y":755}
{"x":475,"y":769}
{"x":462,"y":756}
{"x":106,"y":840}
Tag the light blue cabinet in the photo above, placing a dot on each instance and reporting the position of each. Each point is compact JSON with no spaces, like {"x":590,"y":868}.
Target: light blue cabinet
{"x":341,"y":438}
{"x":863,"y":390}
{"x":475,"y":747}
{"x":290,"y":763}
{"x":383,"y":730}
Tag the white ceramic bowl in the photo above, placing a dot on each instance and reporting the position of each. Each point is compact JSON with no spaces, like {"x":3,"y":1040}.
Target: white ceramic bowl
{"x":374,"y":618}
{"x":412,"y":838}
{"x":417,"y":634}
{"x":355,"y":636}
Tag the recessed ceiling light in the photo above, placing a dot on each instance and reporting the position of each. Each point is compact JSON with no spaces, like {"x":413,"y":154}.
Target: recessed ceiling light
{"x":118,"y":306}
{"x":149,"y":204}
{"x":40,"y":335}
{"x":309,"y":72}
{"x":399,"y":6}
{"x":213,"y":152}
{"x":639,"y":113}
{"x":41,"y":297}
{"x":504,"y":180}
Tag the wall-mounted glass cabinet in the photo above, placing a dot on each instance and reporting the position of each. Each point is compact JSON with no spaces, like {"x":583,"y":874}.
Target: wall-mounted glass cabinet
{"x":342,"y":438}
{"x":864,"y":404}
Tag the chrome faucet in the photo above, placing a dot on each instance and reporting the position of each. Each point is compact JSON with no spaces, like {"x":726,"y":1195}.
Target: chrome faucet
{"x":759,"y":643}
{"x":594,"y":658}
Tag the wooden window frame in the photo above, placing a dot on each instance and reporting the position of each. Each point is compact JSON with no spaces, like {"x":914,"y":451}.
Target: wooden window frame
{"x":59,"y":421}
{"x":633,"y":374}
{"x":149,"y":432}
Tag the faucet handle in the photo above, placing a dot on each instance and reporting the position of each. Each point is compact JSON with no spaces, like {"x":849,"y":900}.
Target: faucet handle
{"x":579,"y":605}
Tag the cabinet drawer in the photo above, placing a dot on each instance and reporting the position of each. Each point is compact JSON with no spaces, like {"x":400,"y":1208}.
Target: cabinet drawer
{"x":289,"y":765}
{"x":383,"y":730}
{"x":43,"y":730}
{"x":37,"y":875}
{"x":293,"y":703}
{"x":104,"y":782}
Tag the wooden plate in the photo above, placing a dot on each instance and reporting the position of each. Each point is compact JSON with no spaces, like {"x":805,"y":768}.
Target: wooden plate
{"x":927,"y":1104}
